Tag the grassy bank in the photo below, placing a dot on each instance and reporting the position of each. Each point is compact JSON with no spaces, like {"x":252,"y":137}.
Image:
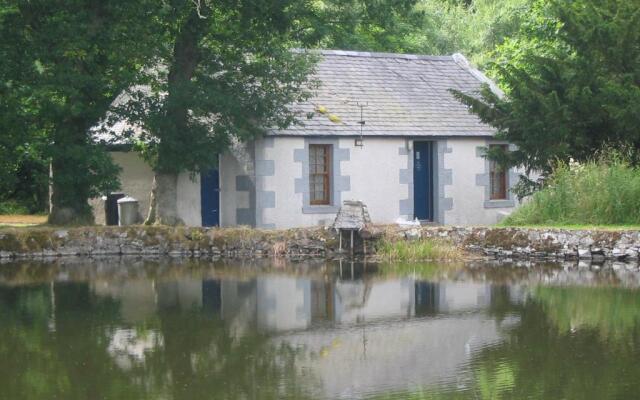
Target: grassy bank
{"x":418,"y":250}
{"x":593,"y":194}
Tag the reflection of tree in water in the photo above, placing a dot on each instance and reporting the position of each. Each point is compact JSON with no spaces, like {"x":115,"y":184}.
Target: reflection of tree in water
{"x":53,"y":345}
{"x":570,"y":343}
{"x":613,"y":312}
{"x":550,"y":361}
{"x":205,"y":361}
{"x":58,"y":343}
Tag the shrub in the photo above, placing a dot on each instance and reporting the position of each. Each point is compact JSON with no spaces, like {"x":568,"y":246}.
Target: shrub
{"x":605,"y":191}
{"x":12,"y":207}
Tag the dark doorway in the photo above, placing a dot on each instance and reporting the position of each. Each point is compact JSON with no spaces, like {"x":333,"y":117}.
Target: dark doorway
{"x":111,"y":208}
{"x":210,"y":198}
{"x":423,"y":180}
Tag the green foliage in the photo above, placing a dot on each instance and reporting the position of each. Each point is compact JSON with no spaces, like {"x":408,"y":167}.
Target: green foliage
{"x":225,"y":70}
{"x":12,"y":207}
{"x":23,"y":173}
{"x":572,"y":81}
{"x":473,"y":29}
{"x":603,"y":192}
{"x":63,"y":64}
{"x":420,"y":26}
{"x":361,"y":25}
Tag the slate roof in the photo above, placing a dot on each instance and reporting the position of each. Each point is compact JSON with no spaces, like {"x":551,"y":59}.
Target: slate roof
{"x":407,"y":95}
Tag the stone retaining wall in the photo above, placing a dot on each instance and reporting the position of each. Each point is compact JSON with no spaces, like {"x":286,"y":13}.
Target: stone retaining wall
{"x":151,"y":240}
{"x":552,"y":244}
{"x":517,"y":243}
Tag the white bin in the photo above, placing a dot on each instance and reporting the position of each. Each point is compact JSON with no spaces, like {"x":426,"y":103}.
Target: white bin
{"x":127,"y":211}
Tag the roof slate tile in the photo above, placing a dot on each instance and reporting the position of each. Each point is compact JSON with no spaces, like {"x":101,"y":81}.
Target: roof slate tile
{"x":406,"y":95}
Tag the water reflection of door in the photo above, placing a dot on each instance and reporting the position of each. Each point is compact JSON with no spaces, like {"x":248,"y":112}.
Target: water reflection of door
{"x":211,"y":296}
{"x":427,"y":296}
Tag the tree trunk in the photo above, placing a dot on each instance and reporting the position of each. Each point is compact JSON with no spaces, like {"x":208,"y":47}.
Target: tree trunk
{"x":163,"y":204}
{"x":70,"y":185}
{"x":69,"y":205}
{"x":163,"y":209}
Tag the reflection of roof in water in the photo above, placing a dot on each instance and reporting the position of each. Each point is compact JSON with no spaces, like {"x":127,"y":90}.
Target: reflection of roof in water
{"x":351,"y":362}
{"x":353,"y":294}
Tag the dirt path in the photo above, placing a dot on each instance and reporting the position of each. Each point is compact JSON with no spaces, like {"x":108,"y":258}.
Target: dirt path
{"x":21,"y":220}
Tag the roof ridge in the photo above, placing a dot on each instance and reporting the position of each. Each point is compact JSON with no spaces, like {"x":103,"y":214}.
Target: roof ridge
{"x":370,"y":54}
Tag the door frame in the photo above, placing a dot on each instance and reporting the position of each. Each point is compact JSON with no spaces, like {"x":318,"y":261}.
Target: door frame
{"x":430,"y":185}
{"x":202,"y":195}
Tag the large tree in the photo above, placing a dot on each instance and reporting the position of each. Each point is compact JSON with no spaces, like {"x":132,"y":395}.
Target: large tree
{"x":572,"y":83}
{"x":62,"y":64}
{"x":225,"y":70}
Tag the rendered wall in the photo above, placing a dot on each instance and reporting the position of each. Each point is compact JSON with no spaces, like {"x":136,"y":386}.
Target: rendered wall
{"x":469,"y":188}
{"x":370,"y":173}
{"x":189,"y":199}
{"x":237,"y":186}
{"x":136,"y":178}
{"x":265,"y":183}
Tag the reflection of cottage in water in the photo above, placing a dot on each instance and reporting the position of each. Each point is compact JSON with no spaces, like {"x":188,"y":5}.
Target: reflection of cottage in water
{"x":280,"y":303}
{"x":353,"y":358}
{"x":348,"y":331}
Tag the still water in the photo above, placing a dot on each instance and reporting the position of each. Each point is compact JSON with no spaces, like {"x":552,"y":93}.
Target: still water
{"x":136,"y":329}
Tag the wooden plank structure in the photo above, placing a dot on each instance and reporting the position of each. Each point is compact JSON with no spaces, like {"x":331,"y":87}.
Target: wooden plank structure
{"x":352,"y":217}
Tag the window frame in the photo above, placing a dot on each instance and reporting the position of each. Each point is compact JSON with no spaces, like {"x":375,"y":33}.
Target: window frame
{"x":326,"y":175}
{"x":502,"y":175}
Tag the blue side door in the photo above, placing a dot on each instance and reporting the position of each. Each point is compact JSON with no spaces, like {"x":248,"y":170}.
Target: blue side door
{"x":423,"y":180}
{"x":210,"y":198}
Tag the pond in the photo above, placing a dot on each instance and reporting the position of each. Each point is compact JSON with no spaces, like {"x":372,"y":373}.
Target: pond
{"x":162,"y":329}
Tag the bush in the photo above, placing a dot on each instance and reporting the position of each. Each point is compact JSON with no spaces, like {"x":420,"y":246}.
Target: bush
{"x":12,"y":208}
{"x":600,"y":192}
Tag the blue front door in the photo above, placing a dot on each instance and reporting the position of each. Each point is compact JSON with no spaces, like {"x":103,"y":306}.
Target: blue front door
{"x":423,"y":180}
{"x":210,"y":198}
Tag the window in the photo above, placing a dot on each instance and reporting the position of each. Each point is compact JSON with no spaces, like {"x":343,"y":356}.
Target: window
{"x":320,"y":174}
{"x":498,"y":178}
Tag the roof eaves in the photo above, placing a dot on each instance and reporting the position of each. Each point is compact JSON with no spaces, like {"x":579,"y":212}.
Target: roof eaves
{"x":350,"y":53}
{"x":462,"y":61}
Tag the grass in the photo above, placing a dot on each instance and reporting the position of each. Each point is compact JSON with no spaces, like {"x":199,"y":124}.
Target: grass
{"x":418,"y":250}
{"x":596,"y":194}
{"x":575,"y":227}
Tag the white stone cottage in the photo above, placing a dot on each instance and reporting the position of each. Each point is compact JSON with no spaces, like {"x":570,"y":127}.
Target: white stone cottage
{"x":385,"y":130}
